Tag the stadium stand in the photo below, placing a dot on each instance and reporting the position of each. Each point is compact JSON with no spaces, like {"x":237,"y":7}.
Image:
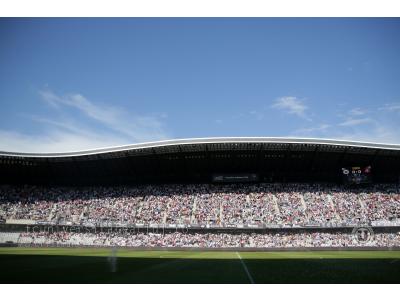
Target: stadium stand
{"x":203,"y":240}
{"x":226,"y":205}
{"x":225,"y":192}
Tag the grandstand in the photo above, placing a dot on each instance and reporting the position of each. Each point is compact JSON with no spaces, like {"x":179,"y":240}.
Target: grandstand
{"x":207,"y":193}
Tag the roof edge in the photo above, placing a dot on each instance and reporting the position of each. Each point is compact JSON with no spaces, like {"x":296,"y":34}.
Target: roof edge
{"x":209,"y":140}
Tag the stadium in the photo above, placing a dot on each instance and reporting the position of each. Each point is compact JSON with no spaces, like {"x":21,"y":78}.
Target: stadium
{"x":246,"y":210}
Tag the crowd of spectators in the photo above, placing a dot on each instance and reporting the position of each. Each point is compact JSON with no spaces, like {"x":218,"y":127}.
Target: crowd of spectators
{"x":349,"y":206}
{"x":203,"y":204}
{"x":292,"y":210}
{"x":320,"y":208}
{"x":383,"y":205}
{"x":209,"y":240}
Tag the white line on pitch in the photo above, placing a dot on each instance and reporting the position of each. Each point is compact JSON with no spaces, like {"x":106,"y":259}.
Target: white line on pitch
{"x":245,"y":268}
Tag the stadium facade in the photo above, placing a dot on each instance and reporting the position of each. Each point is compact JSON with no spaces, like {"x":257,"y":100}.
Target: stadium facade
{"x":236,"y":159}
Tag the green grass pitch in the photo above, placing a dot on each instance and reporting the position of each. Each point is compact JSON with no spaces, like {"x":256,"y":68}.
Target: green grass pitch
{"x":89,"y":265}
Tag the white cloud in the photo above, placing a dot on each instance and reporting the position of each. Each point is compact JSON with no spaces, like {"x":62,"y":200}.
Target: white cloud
{"x":138,"y":128}
{"x":55,"y":141}
{"x":358,"y":124}
{"x":357,"y":112}
{"x":393,"y":107}
{"x":291,"y":105}
{"x":65,"y":125}
{"x":355,"y":122}
{"x":64,"y":131}
{"x":378,"y":134}
{"x":312,"y":130}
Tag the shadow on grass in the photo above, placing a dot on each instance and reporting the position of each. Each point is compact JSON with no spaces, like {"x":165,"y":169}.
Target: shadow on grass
{"x":82,"y":269}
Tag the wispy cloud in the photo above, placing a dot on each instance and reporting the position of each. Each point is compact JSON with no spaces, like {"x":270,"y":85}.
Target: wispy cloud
{"x":357,"y":112}
{"x":138,"y":128}
{"x":358,"y":124}
{"x":313,"y":130}
{"x":391,"y":107}
{"x":355,"y":121}
{"x":379,"y":133}
{"x":55,"y":140}
{"x":98,"y":126}
{"x":291,"y":105}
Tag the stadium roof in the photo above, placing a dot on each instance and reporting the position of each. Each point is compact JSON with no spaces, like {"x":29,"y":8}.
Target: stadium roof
{"x":228,"y":141}
{"x":198,"y":160}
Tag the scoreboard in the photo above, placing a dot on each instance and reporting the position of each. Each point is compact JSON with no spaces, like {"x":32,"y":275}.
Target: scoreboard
{"x":232,"y":178}
{"x":357,"y":175}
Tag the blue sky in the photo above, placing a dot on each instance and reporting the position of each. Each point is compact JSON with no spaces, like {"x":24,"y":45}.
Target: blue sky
{"x":72,"y":84}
